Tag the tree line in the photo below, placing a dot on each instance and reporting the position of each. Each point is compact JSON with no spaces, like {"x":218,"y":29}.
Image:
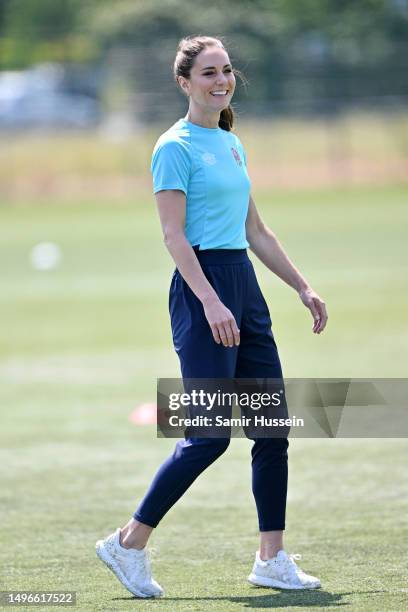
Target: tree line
{"x":295,"y":53}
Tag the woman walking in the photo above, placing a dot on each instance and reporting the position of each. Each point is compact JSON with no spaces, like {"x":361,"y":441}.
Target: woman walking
{"x":220,"y":321}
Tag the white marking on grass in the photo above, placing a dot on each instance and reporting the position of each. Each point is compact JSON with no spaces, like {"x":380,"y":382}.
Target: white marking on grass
{"x":111,"y":369}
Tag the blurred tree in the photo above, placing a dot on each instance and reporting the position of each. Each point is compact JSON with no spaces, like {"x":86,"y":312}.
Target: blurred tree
{"x":294,"y":52}
{"x":35,"y":31}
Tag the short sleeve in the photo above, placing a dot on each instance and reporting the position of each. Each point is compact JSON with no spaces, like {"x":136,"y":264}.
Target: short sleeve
{"x":171,"y":166}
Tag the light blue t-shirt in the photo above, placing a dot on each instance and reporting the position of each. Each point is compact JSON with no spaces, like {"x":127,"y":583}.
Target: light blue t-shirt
{"x":209,"y":166}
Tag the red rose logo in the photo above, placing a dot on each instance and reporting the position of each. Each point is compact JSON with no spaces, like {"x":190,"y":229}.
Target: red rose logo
{"x":236,"y":155}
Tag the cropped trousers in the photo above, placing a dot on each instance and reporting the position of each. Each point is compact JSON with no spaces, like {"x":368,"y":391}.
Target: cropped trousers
{"x":231,"y":274}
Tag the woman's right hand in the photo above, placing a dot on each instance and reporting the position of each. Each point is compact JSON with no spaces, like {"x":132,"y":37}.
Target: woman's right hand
{"x":222,"y":322}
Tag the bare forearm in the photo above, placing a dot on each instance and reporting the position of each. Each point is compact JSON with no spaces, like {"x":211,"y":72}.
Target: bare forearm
{"x":268,"y":249}
{"x":189,"y":267}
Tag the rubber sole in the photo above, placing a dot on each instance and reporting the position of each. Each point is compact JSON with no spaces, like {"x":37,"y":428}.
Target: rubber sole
{"x":276,"y":584}
{"x":110,"y":562}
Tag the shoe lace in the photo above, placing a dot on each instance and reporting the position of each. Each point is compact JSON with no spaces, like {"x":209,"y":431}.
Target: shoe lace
{"x":290,"y":569}
{"x":140,"y":566}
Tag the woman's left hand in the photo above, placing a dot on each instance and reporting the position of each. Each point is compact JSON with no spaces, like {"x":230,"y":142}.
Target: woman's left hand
{"x":316,"y":306}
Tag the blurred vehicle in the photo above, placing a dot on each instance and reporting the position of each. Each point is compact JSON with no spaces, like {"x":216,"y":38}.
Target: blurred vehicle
{"x":37,"y":98}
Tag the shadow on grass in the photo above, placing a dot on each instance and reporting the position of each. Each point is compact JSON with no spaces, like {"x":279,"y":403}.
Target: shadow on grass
{"x":278,"y":599}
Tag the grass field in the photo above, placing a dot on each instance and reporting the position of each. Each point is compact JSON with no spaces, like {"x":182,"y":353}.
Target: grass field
{"x":82,"y":345}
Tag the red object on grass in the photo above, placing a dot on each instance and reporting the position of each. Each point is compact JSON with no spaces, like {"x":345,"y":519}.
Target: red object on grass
{"x":145,"y":414}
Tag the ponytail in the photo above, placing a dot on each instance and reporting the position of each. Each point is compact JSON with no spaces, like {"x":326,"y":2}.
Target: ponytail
{"x":226,"y":121}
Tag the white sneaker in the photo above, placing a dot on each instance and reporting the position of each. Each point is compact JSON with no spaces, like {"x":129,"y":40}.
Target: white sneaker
{"x":281,"y":572}
{"x":130,"y":566}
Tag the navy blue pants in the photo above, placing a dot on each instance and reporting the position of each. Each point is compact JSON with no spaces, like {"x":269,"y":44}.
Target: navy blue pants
{"x":232,"y":275}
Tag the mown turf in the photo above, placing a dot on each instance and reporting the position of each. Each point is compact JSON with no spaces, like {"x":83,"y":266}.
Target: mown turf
{"x":82,"y":346}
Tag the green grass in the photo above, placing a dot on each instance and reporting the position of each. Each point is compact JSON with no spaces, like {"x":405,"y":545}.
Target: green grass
{"x":82,"y":346}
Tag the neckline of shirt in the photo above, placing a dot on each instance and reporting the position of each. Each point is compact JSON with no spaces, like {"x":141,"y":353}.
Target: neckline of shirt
{"x":200,"y":128}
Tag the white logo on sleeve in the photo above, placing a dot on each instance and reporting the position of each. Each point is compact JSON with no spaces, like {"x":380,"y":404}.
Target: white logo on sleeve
{"x":209,"y":158}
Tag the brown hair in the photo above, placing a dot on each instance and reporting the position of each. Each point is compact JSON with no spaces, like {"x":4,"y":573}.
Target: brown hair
{"x":187,"y":50}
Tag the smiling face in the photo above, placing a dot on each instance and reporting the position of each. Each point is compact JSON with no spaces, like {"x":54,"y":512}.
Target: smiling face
{"x":212,"y":82}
